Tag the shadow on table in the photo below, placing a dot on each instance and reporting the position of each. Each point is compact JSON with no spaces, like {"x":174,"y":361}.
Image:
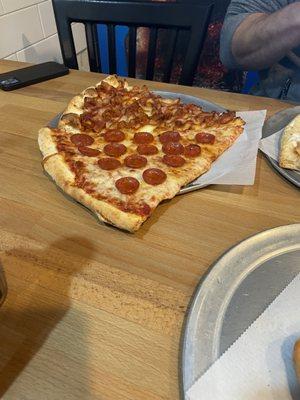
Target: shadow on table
{"x":28,"y":317}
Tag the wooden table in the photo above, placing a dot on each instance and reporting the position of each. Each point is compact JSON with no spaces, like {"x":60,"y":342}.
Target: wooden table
{"x":93,"y":312}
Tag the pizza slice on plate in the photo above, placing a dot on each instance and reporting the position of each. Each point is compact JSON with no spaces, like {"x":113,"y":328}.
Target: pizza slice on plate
{"x":297,"y":358}
{"x":290,"y":146}
{"x":121,"y":150}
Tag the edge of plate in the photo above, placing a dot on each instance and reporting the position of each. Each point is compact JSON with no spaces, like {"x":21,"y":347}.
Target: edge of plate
{"x":269,"y":129}
{"x":285,"y":173}
{"x":249,"y":241}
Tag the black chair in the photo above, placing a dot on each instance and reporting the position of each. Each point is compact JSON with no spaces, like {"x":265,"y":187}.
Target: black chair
{"x":174,"y":16}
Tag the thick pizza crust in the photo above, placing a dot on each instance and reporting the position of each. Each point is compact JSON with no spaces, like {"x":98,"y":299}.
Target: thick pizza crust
{"x":56,"y":167}
{"x":290,"y":146}
{"x":297,"y":358}
{"x":76,"y":104}
{"x":59,"y":170}
{"x":46,"y":143}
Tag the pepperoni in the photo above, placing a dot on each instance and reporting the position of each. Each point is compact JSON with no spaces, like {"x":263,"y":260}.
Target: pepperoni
{"x":62,"y":147}
{"x":143,"y":137}
{"x":90,"y":102}
{"x":154,"y":176}
{"x":147,"y":149}
{"x":135,"y":161}
{"x":71,"y":119}
{"x":227,"y":117}
{"x":192,"y":150}
{"x":92,"y":113}
{"x":80,"y":139}
{"x":87,"y":151}
{"x":110,"y":114}
{"x":173,"y":148}
{"x":98,"y":125}
{"x":205,"y":138}
{"x":86,"y":120}
{"x":106,"y":87}
{"x":209,"y":121}
{"x":127,"y":185}
{"x":114,"y":149}
{"x":179,"y":122}
{"x":114,"y":136}
{"x":144,"y":209}
{"x":109,"y":163}
{"x":169,"y":136}
{"x":173,"y":160}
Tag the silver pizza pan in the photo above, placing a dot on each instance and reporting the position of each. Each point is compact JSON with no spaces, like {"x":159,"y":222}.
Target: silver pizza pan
{"x":186,"y":99}
{"x":274,"y":124}
{"x":235,"y":291}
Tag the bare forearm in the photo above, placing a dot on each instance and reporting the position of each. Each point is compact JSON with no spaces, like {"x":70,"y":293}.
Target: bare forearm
{"x":261,"y":40}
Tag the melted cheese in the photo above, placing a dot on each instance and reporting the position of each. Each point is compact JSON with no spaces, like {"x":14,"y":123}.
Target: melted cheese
{"x":103,"y":181}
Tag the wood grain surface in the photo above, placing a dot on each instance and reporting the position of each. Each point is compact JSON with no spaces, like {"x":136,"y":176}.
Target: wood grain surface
{"x":93,"y":312}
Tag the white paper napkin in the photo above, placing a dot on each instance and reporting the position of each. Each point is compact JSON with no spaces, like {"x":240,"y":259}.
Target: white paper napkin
{"x":270,"y":145}
{"x":258,"y":366}
{"x":238,"y":164}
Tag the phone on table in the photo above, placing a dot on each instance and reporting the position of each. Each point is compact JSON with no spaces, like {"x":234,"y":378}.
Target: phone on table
{"x":30,"y":75}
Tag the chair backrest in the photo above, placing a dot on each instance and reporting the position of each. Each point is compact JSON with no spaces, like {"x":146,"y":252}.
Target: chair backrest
{"x":174,"y":16}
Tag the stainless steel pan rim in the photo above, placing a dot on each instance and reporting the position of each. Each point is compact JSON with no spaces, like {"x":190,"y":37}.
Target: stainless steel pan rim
{"x":205,"y":319}
{"x":274,"y":124}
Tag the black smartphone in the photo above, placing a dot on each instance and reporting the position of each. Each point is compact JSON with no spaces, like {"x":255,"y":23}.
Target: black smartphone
{"x":30,"y":75}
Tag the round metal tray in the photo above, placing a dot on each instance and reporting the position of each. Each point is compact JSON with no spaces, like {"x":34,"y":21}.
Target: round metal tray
{"x":235,"y":291}
{"x":274,"y":124}
{"x":186,"y":99}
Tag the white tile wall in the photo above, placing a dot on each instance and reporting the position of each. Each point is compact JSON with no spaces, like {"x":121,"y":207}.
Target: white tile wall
{"x":13,"y":5}
{"x":12,"y":57}
{"x":20,"y":29}
{"x":43,"y":51}
{"x":29,"y":29}
{"x":47,"y":18}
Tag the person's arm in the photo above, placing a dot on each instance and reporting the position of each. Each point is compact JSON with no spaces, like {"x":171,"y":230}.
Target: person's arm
{"x":263,"y":39}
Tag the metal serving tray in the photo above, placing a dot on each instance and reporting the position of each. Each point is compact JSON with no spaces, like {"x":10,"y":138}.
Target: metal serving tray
{"x":235,"y":291}
{"x":274,"y":124}
{"x":186,"y":99}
